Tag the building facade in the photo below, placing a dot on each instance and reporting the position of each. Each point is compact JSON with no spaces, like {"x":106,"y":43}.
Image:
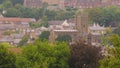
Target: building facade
{"x":79,"y":31}
{"x":72,"y":3}
{"x":33,"y":3}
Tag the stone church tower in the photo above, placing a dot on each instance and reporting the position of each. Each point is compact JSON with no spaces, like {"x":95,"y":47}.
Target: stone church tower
{"x":79,"y":33}
{"x":81,"y":21}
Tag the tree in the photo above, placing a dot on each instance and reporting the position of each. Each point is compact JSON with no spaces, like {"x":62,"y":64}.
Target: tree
{"x":84,"y":55}
{"x":14,"y":2}
{"x":111,"y":60}
{"x":44,"y":21}
{"x":24,"y":40}
{"x":105,"y":16}
{"x":44,"y":35}
{"x":50,"y":14}
{"x":44,"y":55}
{"x":117,"y":31}
{"x":12,"y":12}
{"x":22,"y":62}
{"x":95,"y":14}
{"x":7,"y":4}
{"x":7,"y":59}
{"x":64,"y":38}
{"x":62,"y":15}
{"x":62,"y":54}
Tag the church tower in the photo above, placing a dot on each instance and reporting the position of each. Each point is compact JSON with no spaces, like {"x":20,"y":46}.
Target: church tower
{"x":81,"y":21}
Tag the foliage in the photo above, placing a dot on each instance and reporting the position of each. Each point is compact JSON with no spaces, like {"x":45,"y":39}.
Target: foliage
{"x":44,"y":21}
{"x":95,"y":14}
{"x":44,"y":35}
{"x":84,"y":55}
{"x":11,"y":12}
{"x":34,"y":25}
{"x":18,"y":10}
{"x":7,"y":59}
{"x":22,"y":62}
{"x":105,"y":16}
{"x":7,"y":4}
{"x":51,"y":15}
{"x":111,"y":60}
{"x":44,"y":55}
{"x":36,"y":55}
{"x":7,"y":33}
{"x":117,"y":31}
{"x":24,"y":40}
{"x":14,"y":2}
{"x":64,"y":38}
{"x":62,"y":15}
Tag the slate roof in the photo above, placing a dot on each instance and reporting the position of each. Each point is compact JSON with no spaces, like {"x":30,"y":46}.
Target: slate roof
{"x":14,"y":20}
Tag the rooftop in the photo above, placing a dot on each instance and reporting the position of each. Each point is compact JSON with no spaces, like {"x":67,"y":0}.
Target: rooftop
{"x":97,"y":27}
{"x":65,"y":30}
{"x":14,"y":19}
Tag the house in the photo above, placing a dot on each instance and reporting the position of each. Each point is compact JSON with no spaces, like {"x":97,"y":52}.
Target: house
{"x":14,"y":23}
{"x":63,"y":24}
{"x":6,"y":39}
{"x":33,"y":3}
{"x":12,"y":29}
{"x":110,"y":2}
{"x":72,"y":3}
{"x":80,"y":3}
{"x":96,"y":32}
{"x":55,"y":24}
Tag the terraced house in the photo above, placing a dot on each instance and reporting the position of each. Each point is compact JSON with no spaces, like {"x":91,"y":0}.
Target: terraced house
{"x":73,"y":3}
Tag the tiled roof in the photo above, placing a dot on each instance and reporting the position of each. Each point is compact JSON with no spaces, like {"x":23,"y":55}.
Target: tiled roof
{"x":55,"y":22}
{"x":6,"y":26}
{"x":13,"y":19}
{"x":65,"y":31}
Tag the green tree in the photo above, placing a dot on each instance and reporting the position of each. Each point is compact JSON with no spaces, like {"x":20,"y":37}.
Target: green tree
{"x":12,"y":12}
{"x":22,"y":62}
{"x":7,"y":59}
{"x":34,"y":25}
{"x":44,"y":55}
{"x":50,"y":14}
{"x":117,"y":31}
{"x":62,"y":15}
{"x":64,"y":38}
{"x":24,"y":40}
{"x":44,"y":21}
{"x":95,"y":14}
{"x":14,"y":2}
{"x":7,"y":4}
{"x":44,"y":35}
{"x":105,"y":16}
{"x":111,"y":60}
{"x":62,"y":55}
